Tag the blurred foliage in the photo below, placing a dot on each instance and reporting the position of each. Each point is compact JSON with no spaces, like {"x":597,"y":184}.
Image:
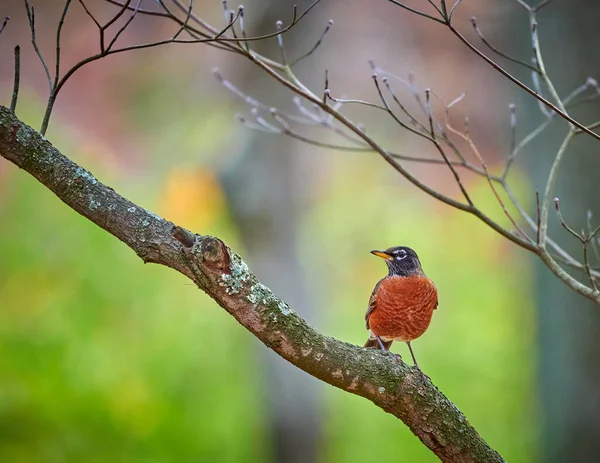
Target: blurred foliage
{"x":103,"y":358}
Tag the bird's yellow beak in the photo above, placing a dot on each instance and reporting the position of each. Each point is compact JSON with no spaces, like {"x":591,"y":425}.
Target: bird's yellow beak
{"x":381,"y":254}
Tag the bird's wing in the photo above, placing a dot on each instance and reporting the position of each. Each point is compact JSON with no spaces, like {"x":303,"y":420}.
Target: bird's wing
{"x":372,"y":303}
{"x":436,"y":294}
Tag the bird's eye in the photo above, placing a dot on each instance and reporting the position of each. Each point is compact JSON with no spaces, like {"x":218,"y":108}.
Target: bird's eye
{"x":400,"y":254}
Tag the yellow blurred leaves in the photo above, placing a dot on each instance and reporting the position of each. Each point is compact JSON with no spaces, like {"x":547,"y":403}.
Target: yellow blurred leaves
{"x":192,"y":198}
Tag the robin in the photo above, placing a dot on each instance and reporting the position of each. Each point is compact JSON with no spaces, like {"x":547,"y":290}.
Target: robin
{"x":402,"y":303}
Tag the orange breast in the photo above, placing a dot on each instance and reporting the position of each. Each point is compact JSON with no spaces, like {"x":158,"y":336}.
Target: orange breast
{"x":403,"y":307}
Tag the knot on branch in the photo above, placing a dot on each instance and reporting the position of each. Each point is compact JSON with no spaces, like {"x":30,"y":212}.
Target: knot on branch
{"x":215,"y":255}
{"x":207,"y":251}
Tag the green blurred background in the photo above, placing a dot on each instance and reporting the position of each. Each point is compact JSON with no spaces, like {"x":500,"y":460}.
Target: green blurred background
{"x":103,"y":358}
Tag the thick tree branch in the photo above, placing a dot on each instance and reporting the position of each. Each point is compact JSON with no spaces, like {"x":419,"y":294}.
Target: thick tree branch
{"x":388,"y":383}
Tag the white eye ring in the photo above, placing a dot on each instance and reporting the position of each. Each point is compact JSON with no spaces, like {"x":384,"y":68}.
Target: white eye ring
{"x":401,"y":255}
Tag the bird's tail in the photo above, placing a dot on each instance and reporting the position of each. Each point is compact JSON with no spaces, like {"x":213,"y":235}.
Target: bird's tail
{"x":373,"y":343}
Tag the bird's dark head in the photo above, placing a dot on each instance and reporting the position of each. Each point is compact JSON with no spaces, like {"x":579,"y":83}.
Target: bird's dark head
{"x":401,"y":261}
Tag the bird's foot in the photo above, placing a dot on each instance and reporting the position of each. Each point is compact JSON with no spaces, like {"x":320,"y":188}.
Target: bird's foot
{"x":396,"y":357}
{"x":423,"y":376}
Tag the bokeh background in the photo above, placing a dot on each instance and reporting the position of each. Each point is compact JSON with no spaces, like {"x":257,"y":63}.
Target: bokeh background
{"x":103,"y":358}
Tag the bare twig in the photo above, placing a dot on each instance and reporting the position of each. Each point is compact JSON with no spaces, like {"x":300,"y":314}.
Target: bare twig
{"x":538,"y":215}
{"x":541,"y":5}
{"x":389,"y":110}
{"x":467,"y":137}
{"x":16,"y":79}
{"x":87,"y":11}
{"x":123,"y":27}
{"x":516,"y":81}
{"x":31,"y":19}
{"x":497,"y":51}
{"x":315,"y":46}
{"x":512,"y":110}
{"x":4,"y":23}
{"x":452,"y":10}
{"x":550,"y":186}
{"x":417,"y":12}
{"x":585,"y":241}
{"x":58,"y":32}
{"x":441,"y":150}
{"x":368,"y":104}
{"x":592,"y":237}
{"x":215,"y":36}
{"x":564,"y":224}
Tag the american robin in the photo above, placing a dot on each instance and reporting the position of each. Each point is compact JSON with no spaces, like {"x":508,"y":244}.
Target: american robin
{"x":402,"y":303}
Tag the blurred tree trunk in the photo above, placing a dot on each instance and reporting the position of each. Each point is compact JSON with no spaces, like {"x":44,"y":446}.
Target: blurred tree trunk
{"x":569,"y":347}
{"x":263,"y":193}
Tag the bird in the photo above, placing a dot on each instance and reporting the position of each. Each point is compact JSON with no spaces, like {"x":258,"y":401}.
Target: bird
{"x":402,"y":303}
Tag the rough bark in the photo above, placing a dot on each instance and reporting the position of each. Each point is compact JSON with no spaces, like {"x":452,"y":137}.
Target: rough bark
{"x":215,"y":269}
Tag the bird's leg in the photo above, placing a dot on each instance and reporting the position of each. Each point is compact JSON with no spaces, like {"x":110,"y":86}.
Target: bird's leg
{"x":415,"y":361}
{"x":387,"y":351}
{"x":412,"y":354}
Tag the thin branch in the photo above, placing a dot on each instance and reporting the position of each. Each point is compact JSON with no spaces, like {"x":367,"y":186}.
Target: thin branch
{"x":295,"y":19}
{"x":587,"y":265}
{"x":497,"y":51}
{"x":535,"y":40}
{"x":279,"y":28}
{"x":16,"y":79}
{"x":233,"y":17}
{"x":442,"y":14}
{"x":58,"y":32}
{"x":90,"y":14}
{"x":243,"y":28}
{"x":593,"y":241}
{"x":420,"y":13}
{"x":193,"y":32}
{"x":31,"y":19}
{"x":413,"y":119}
{"x":589,"y":83}
{"x":287,"y":130}
{"x":315,"y":46}
{"x":550,"y":186}
{"x":467,"y":137}
{"x":585,"y":241}
{"x":368,"y":104}
{"x":109,"y":50}
{"x":6,"y":19}
{"x":541,"y":5}
{"x":441,"y":150}
{"x":537,"y":87}
{"x":123,"y":27}
{"x":452,"y":10}
{"x":393,"y":114}
{"x":253,"y":102}
{"x":564,"y":224}
{"x":521,"y":145}
{"x":357,"y":130}
{"x":524,"y":5}
{"x":561,"y":254}
{"x":520,"y":84}
{"x":592,"y":126}
{"x":539,"y":217}
{"x":512,"y":111}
